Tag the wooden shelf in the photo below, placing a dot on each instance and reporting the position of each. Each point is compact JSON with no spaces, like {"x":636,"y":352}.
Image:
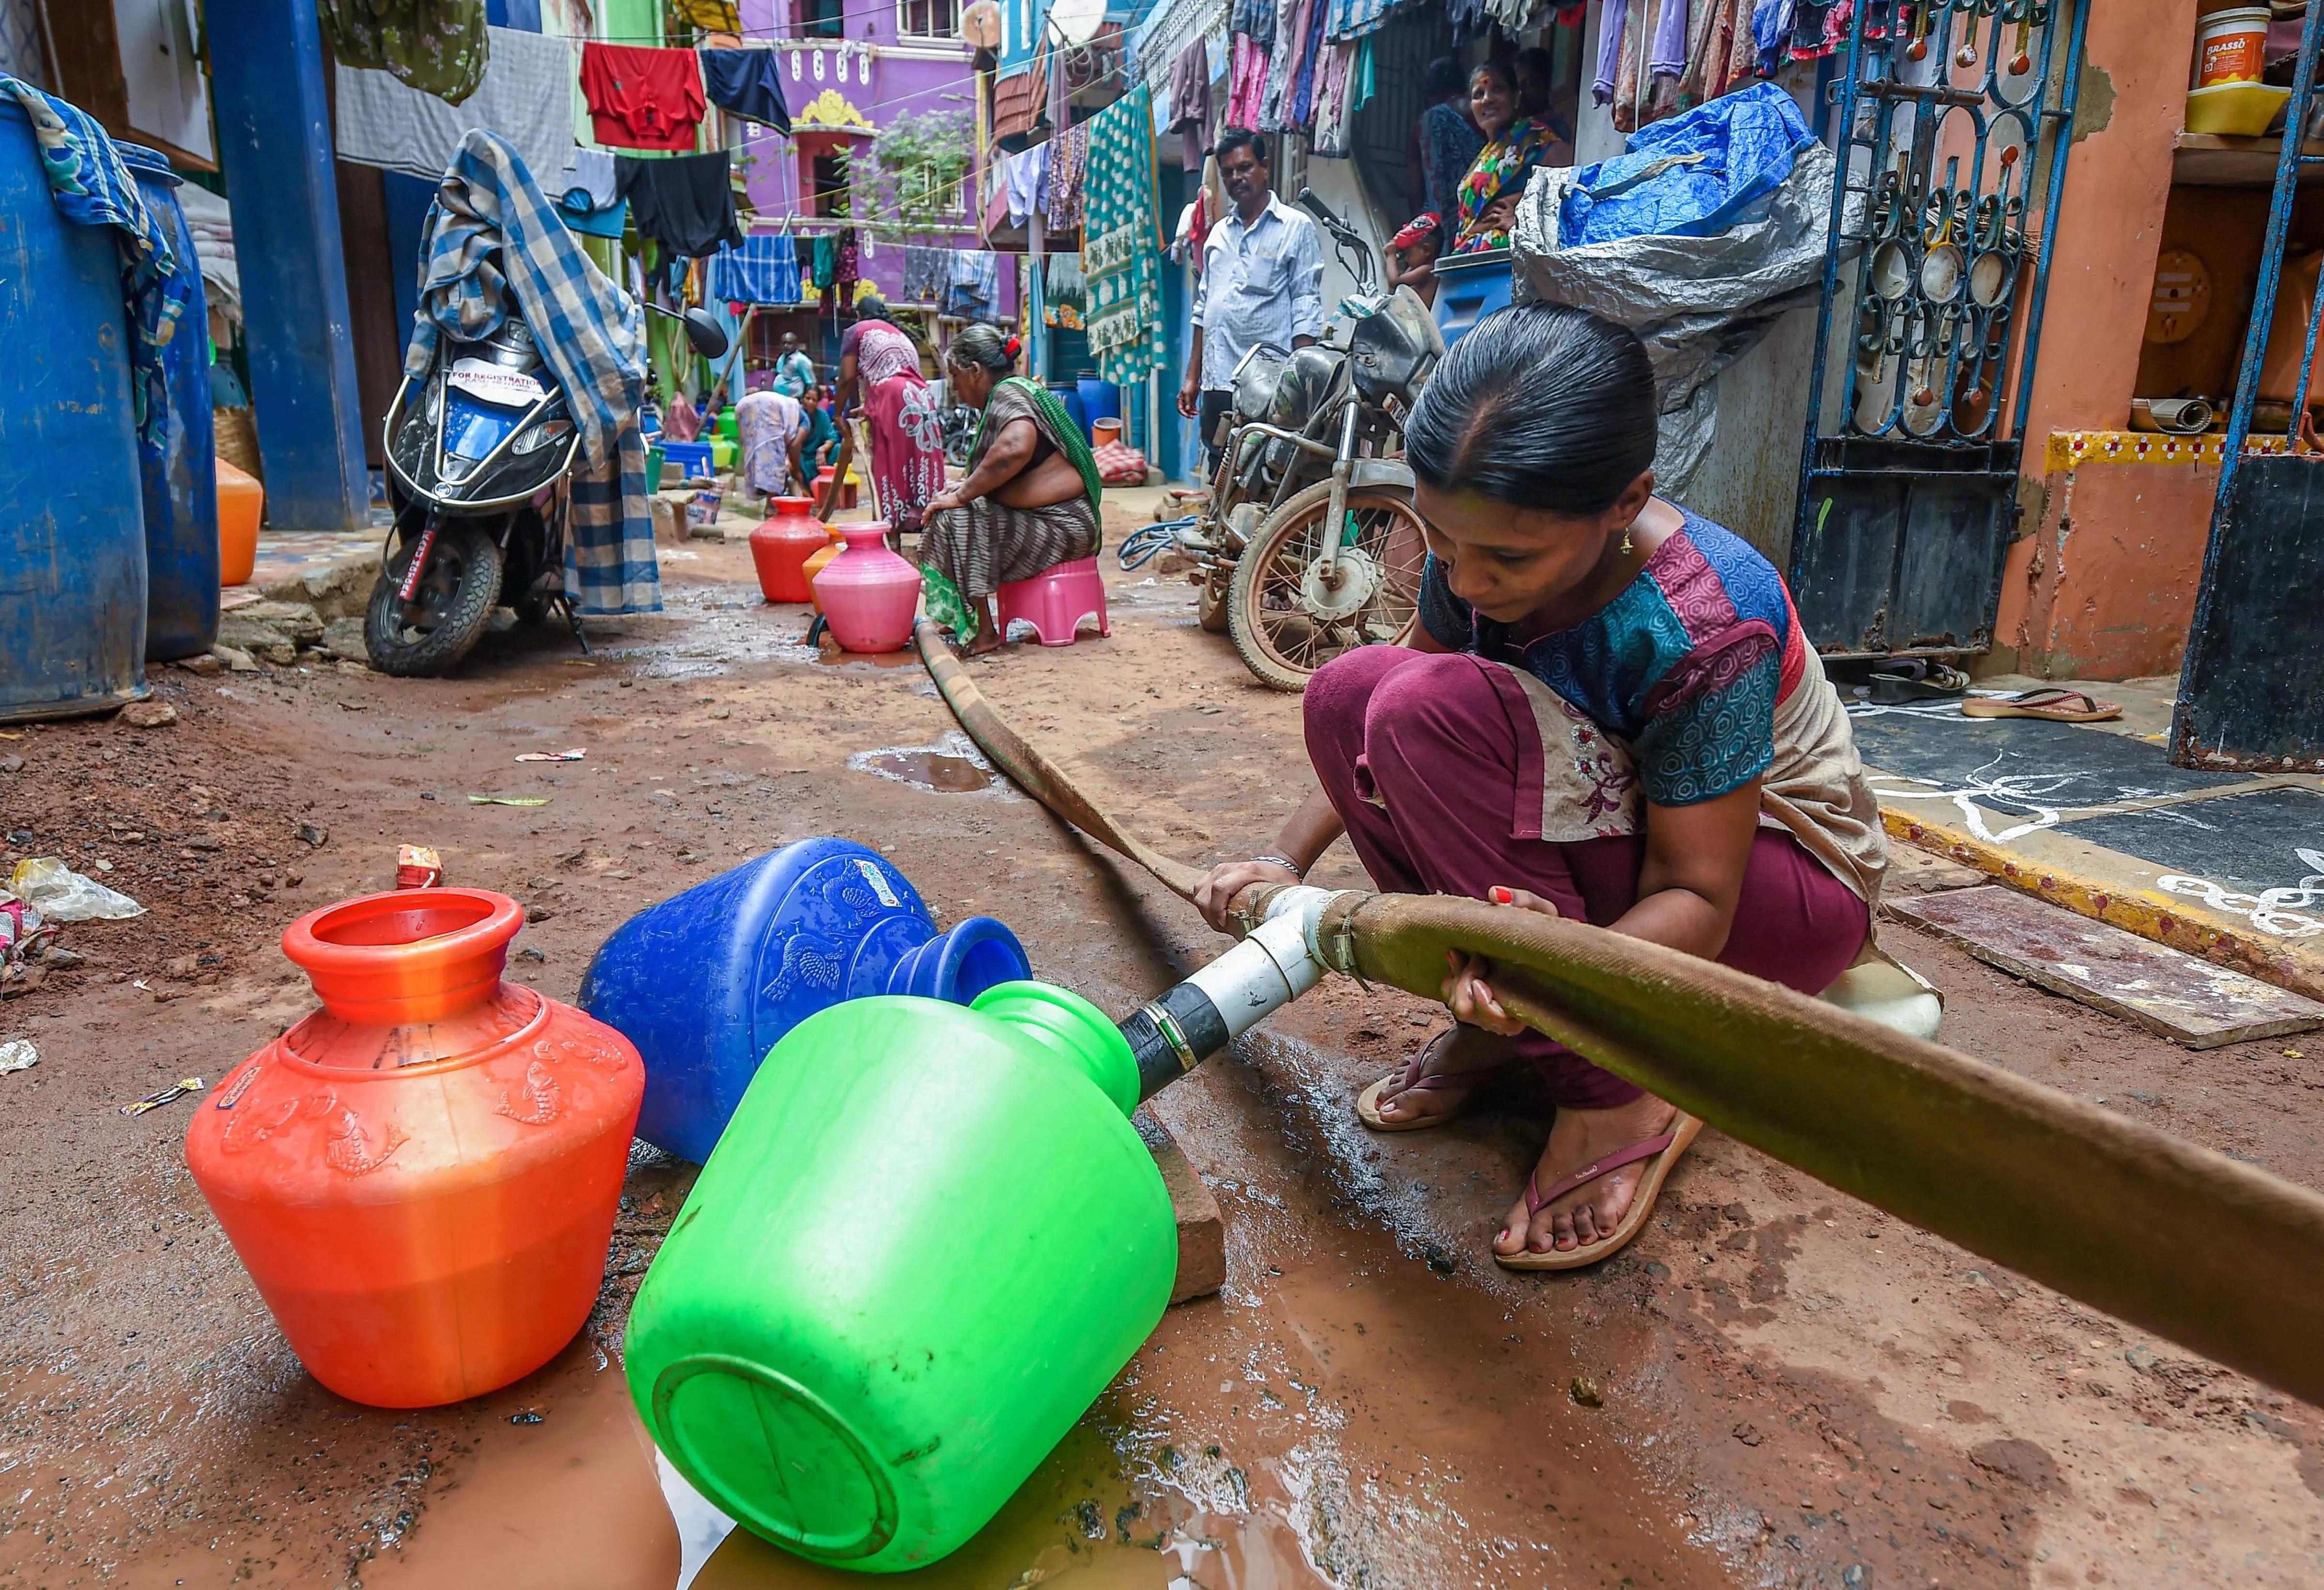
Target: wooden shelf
{"x":2207,"y":159}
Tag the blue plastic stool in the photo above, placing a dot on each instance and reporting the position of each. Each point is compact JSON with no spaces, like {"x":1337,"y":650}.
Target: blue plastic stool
{"x":706,"y":982}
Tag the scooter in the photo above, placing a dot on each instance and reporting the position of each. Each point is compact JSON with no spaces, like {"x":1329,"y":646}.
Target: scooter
{"x":480,"y":452}
{"x":1307,"y":544}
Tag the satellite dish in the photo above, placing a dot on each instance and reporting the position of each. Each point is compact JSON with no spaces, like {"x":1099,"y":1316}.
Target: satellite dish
{"x":1077,"y":21}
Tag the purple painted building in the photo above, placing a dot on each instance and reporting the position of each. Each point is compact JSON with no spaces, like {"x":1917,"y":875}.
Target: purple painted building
{"x":852,"y":69}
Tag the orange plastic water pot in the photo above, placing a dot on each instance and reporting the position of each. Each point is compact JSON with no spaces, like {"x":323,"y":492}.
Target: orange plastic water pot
{"x":421,"y":1177}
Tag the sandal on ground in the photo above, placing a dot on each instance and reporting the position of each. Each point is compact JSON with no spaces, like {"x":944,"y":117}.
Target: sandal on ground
{"x":2056,"y":705}
{"x":1367,"y":1103}
{"x":1912,"y":679}
{"x":1662,"y":1150}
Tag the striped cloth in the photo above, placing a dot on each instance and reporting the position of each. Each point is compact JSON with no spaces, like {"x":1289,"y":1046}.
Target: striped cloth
{"x":763,"y":271}
{"x":591,"y":333}
{"x":91,"y":187}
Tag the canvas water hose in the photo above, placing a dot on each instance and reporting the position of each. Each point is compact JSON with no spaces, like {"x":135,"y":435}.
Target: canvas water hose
{"x":2212,"y":1252}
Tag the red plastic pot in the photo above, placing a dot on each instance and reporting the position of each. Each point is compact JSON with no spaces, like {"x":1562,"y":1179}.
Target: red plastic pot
{"x":781,"y":546}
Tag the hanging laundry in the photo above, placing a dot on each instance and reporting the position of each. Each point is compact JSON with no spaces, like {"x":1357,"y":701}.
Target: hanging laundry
{"x":712,"y":16}
{"x":1355,"y":19}
{"x":1612,"y":24}
{"x":588,"y":202}
{"x":1253,"y":19}
{"x":1068,"y":161}
{"x":1669,"y":58}
{"x":825,"y":267}
{"x":439,"y":47}
{"x":1121,"y":240}
{"x":748,"y":83}
{"x":1246,"y":82}
{"x":927,"y":273}
{"x":1064,"y":292}
{"x":1025,"y":175}
{"x":764,"y":270}
{"x":685,"y":204}
{"x":973,"y":291}
{"x":1190,"y":101}
{"x":848,"y":266}
{"x":525,"y":97}
{"x":1301,"y":110}
{"x":1283,"y":62}
{"x":1334,"y":90}
{"x":642,"y":98}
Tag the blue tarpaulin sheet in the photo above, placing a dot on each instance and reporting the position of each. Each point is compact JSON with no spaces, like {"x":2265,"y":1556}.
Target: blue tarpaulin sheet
{"x":1692,"y":176}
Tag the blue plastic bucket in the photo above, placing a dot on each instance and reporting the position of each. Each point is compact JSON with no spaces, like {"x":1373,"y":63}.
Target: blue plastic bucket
{"x":178,"y":472}
{"x":72,"y":526}
{"x":706,"y":982}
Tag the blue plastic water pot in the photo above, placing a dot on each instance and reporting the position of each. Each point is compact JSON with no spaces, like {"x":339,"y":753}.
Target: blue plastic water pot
{"x":706,"y":982}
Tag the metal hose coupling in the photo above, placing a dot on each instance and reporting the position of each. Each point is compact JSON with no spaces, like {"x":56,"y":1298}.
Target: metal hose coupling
{"x":1280,"y":958}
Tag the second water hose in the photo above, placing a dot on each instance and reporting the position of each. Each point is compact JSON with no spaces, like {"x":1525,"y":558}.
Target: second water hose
{"x":2213,"y":1253}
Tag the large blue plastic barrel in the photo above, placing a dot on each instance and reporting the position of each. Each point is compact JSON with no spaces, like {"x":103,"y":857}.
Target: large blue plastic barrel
{"x":72,"y":530}
{"x":1100,"y":400}
{"x":178,"y":469}
{"x":706,"y":982}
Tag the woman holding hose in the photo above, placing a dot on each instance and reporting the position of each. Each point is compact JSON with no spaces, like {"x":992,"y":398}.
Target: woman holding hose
{"x":1608,"y":713}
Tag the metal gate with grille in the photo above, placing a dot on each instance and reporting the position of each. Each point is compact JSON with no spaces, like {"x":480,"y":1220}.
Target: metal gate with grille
{"x":1953,"y":120}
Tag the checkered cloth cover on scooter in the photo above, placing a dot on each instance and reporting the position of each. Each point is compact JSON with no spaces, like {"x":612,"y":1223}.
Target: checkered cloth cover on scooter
{"x":589,"y":330}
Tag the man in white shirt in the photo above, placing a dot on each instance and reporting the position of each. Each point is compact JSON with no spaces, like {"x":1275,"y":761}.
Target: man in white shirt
{"x":1262,"y":281}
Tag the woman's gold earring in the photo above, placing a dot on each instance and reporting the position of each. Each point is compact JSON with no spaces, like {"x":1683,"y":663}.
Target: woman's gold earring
{"x":1626,"y":540}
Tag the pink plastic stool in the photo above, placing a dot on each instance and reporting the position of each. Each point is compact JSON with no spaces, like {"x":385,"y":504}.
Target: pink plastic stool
{"x":1055,"y":603}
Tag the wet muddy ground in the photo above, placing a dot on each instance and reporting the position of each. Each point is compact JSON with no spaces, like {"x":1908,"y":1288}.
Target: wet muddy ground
{"x":1775,"y":1386}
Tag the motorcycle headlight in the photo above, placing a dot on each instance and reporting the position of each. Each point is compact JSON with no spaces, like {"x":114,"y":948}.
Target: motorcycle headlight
{"x":541,"y":436}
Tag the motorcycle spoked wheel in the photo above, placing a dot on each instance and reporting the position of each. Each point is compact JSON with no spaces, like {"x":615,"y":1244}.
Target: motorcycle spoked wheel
{"x":431,"y":632}
{"x":1272,"y":614}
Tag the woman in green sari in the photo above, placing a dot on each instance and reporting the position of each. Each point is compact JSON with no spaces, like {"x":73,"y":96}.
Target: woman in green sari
{"x":1029,"y":504}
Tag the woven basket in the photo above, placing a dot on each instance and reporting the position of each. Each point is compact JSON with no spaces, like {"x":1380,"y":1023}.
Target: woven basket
{"x":237,"y":439}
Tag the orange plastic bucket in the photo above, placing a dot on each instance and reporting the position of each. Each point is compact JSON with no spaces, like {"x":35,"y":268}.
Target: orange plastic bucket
{"x":2231,"y":46}
{"x":241,"y":500}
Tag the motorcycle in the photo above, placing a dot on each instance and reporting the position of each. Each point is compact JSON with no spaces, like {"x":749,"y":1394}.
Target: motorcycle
{"x":480,"y":451}
{"x":1307,"y":544}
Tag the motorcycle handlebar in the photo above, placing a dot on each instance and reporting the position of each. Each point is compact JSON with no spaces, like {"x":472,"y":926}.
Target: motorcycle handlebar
{"x":1342,"y":235}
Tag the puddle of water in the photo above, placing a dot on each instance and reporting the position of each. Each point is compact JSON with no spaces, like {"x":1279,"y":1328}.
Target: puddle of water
{"x":951,"y":766}
{"x":1079,"y":1521}
{"x":572,"y":1499}
{"x":907,"y":658}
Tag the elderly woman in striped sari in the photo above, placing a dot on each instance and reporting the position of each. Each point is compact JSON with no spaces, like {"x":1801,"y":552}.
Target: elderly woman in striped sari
{"x":1029,"y":501}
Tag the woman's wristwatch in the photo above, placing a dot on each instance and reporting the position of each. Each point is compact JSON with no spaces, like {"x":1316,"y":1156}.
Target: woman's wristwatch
{"x":1285,"y":861}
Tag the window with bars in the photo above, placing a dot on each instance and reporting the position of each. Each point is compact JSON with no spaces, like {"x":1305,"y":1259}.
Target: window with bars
{"x":930,"y":190}
{"x":928,"y":19}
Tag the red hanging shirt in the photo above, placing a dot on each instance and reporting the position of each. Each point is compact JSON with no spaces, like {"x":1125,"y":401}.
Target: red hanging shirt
{"x":642,"y":98}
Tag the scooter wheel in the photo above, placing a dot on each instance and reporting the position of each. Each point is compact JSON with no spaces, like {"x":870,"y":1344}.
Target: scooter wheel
{"x":431,"y":632}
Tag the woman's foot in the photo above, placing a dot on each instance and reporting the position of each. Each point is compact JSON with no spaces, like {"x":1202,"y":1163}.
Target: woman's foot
{"x":1590,"y":1213}
{"x":1451,"y":1065}
{"x":990,"y":634}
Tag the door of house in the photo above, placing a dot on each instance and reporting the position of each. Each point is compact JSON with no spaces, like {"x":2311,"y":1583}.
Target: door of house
{"x":2248,"y":695}
{"x":1952,"y":119}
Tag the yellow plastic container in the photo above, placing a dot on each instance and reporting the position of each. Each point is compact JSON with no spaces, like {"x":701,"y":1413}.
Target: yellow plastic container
{"x":2234,"y":110}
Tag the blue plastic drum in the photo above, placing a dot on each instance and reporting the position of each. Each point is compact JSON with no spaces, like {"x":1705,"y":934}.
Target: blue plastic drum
{"x":178,"y":473}
{"x":706,"y":982}
{"x":72,"y":527}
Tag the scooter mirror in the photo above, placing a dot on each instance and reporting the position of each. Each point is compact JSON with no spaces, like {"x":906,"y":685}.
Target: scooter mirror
{"x":707,"y":335}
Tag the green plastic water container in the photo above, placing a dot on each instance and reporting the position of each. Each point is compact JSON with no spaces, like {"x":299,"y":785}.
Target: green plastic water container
{"x":927,"y":1242}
